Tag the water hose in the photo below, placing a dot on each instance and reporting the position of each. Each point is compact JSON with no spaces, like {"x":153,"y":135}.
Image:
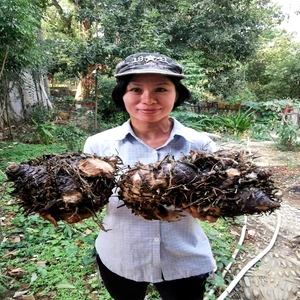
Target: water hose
{"x":239,"y":276}
{"x":233,"y":256}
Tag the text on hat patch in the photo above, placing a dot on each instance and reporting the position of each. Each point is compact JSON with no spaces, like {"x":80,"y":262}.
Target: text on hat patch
{"x":149,"y":59}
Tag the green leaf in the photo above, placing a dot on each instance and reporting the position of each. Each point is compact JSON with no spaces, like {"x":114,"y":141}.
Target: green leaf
{"x":33,"y":277}
{"x":65,"y":286}
{"x":42,"y":271}
{"x":88,"y":259}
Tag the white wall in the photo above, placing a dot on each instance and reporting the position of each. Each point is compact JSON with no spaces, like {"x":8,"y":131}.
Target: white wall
{"x":29,"y":94}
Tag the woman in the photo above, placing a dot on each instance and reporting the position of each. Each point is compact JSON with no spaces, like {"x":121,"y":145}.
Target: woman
{"x":176,"y":257}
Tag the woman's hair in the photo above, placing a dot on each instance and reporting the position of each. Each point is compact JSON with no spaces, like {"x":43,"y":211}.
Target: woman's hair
{"x":119,"y":91}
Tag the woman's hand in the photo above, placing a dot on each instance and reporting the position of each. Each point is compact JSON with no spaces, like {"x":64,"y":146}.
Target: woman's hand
{"x":192,"y":210}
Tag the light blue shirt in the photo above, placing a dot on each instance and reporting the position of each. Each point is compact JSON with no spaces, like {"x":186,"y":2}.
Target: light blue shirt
{"x":150,"y":250}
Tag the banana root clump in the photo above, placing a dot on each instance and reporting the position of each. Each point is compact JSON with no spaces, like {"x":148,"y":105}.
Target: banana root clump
{"x":225,"y":183}
{"x":69,"y":186}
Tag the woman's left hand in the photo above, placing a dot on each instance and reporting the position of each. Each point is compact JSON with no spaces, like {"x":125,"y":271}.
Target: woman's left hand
{"x":192,"y":210}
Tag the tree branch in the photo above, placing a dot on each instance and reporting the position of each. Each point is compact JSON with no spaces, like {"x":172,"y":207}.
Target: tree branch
{"x":4,"y":61}
{"x":58,"y":7}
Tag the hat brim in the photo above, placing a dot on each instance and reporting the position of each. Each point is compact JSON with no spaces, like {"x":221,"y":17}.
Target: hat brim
{"x":150,"y":71}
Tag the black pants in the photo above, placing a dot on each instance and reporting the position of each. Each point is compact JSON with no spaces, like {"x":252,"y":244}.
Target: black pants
{"x":120,"y":288}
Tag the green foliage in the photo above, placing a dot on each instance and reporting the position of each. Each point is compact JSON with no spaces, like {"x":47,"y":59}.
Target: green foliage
{"x":3,"y":283}
{"x":38,"y":114}
{"x":269,"y":113}
{"x":65,"y":102}
{"x":196,"y":80}
{"x":71,"y":136}
{"x":116,"y":119}
{"x":20,"y":152}
{"x":199,"y":122}
{"x":225,"y":33}
{"x":286,"y":139}
{"x":43,"y":132}
{"x":222,"y":243}
{"x":236,"y":124}
{"x":260,"y":131}
{"x":212,"y":34}
{"x":106,"y":107}
{"x":274,"y":70}
{"x":62,"y":271}
{"x":19,"y":25}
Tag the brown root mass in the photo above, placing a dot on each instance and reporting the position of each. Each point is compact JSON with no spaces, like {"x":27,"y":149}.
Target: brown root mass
{"x":222,"y":184}
{"x":69,"y":187}
{"x":74,"y":186}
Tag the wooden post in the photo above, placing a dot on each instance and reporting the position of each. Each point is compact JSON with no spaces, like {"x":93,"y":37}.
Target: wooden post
{"x":96,"y":100}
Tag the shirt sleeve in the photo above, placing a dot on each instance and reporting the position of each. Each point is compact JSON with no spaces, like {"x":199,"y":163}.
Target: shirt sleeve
{"x":89,"y":147}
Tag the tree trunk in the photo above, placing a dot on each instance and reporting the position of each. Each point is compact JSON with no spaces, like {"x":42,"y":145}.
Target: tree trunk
{"x":84,"y":87}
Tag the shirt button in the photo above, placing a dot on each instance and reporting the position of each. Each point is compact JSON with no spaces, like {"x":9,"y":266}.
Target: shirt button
{"x":156,"y":240}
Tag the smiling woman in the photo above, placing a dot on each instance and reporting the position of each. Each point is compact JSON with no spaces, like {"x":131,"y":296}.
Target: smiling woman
{"x":149,"y":99}
{"x":150,"y":95}
{"x":176,"y":258}
{"x":162,"y":65}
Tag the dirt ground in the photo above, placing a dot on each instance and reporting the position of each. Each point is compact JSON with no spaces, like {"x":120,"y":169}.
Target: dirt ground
{"x":277,"y":274}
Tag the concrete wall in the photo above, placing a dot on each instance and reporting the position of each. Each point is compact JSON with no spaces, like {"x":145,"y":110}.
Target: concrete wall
{"x":31,"y":92}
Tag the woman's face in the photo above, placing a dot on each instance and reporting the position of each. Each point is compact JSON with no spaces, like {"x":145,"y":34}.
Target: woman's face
{"x":149,"y":97}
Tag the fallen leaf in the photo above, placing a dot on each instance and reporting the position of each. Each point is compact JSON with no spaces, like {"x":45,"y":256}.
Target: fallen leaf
{"x":20,"y":293}
{"x":88,"y":231}
{"x":251,"y":232}
{"x":94,"y":295}
{"x":42,"y":263}
{"x":17,"y":239}
{"x":11,"y":254}
{"x":234,"y":233}
{"x":16,"y":272}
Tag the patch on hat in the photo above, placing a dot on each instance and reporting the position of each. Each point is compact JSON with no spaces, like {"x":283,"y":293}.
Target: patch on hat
{"x":149,"y":63}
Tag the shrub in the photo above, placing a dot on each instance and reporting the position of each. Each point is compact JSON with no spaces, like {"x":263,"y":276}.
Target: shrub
{"x":286,"y":139}
{"x":71,"y":136}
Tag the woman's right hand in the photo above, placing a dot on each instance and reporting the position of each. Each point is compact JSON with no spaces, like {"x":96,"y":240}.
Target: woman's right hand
{"x":193,"y":211}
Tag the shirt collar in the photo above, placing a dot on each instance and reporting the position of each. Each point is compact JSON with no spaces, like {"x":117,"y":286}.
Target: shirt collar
{"x":123,"y":131}
{"x":178,"y":129}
